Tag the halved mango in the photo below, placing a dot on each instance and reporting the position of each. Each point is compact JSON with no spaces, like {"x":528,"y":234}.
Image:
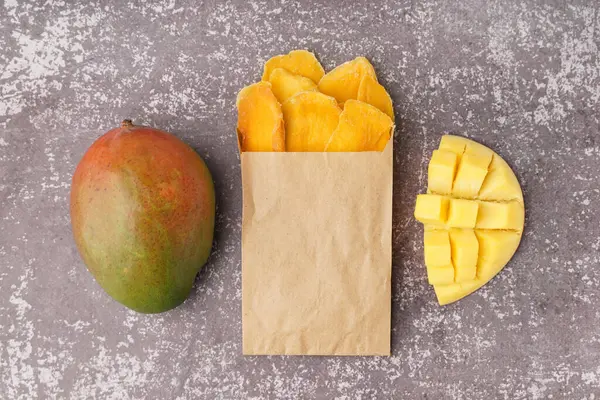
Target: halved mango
{"x":284,"y":84}
{"x":299,"y":62}
{"x":372,"y":92}
{"x":484,"y":215}
{"x":310,"y":120}
{"x":260,"y":124}
{"x":343,"y":81}
{"x":362,"y":127}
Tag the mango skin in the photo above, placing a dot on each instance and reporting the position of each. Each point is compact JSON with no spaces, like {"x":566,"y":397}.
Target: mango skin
{"x":143,"y":213}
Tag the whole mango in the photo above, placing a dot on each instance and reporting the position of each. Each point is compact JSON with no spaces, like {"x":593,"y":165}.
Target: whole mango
{"x":142,"y":213}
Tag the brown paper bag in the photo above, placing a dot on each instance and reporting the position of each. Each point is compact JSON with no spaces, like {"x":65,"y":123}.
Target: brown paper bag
{"x":316,"y":253}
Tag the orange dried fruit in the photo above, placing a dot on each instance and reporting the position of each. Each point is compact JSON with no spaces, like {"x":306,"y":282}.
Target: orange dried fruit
{"x":362,"y":127}
{"x":299,"y":62}
{"x":284,"y":84}
{"x":310,"y":119}
{"x":260,"y":119}
{"x":372,"y":92}
{"x":343,"y":81}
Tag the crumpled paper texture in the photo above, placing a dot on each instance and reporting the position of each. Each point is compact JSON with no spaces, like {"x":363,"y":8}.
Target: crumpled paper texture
{"x":316,"y":253}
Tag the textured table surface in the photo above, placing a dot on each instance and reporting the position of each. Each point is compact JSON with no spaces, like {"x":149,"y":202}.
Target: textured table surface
{"x":522,"y":77}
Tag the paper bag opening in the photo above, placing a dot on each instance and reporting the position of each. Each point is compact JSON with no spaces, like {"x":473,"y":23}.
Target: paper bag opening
{"x":316,"y":253}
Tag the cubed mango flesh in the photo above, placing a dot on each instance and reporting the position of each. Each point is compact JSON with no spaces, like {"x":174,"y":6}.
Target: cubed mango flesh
{"x":494,"y":215}
{"x":470,"y":174}
{"x":465,"y":251}
{"x":441,"y":171}
{"x":438,"y":252}
{"x":431,"y":209}
{"x":474,"y":200}
{"x":462,"y":213}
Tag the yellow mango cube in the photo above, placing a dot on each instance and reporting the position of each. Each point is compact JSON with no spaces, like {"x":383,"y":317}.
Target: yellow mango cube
{"x":431,"y":209}
{"x":465,"y":250}
{"x":462,"y":213}
{"x":470,"y":175}
{"x":500,"y":215}
{"x":440,"y":275}
{"x":437,"y":249}
{"x":441,"y":171}
{"x":500,"y":183}
{"x":455,"y":144}
{"x":496,"y":248}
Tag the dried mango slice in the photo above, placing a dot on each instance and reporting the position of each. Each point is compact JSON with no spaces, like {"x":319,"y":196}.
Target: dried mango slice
{"x":343,"y":81}
{"x":260,"y":124}
{"x":372,"y":92}
{"x":473,"y":196}
{"x":284,"y":84}
{"x":310,"y":119}
{"x":362,"y":127}
{"x":299,"y":62}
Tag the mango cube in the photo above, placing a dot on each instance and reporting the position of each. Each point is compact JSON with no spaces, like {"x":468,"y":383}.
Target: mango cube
{"x":440,"y":275}
{"x":431,"y":209}
{"x":472,"y":170}
{"x":465,"y":250}
{"x":496,"y":248}
{"x":437,"y":249}
{"x":500,"y":183}
{"x":441,"y":171}
{"x":500,"y":215}
{"x":455,"y":144}
{"x":462,"y":213}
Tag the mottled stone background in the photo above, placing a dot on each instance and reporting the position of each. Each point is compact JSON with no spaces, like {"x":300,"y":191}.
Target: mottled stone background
{"x":520,"y":76}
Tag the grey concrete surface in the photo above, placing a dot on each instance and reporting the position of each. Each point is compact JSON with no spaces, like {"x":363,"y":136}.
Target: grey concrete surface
{"x":522,"y":77}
